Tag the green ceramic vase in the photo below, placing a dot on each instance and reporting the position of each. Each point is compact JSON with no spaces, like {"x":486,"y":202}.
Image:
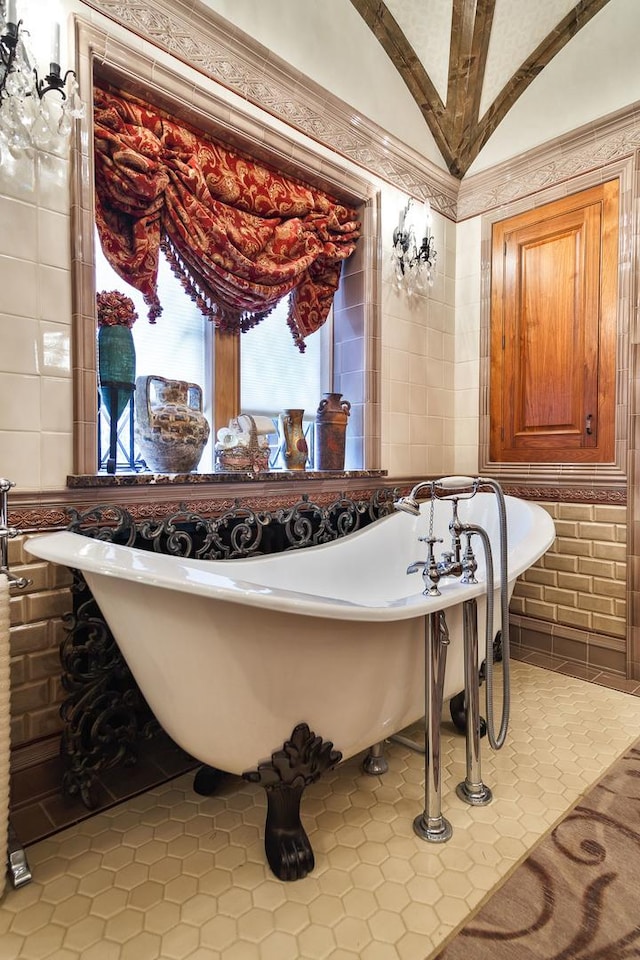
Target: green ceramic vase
{"x":116,"y":368}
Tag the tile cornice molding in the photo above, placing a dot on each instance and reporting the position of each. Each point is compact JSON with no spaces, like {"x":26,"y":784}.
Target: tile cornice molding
{"x":208,"y":43}
{"x":591,"y":147}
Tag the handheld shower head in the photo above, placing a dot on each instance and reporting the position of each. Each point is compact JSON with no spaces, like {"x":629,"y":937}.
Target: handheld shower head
{"x":408,"y":504}
{"x":455,"y":483}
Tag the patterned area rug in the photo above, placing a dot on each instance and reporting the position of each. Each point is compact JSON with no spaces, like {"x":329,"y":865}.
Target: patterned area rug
{"x":577,"y":896}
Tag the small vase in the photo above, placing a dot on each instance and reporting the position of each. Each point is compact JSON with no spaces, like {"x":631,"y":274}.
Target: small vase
{"x":116,"y":368}
{"x":331,"y":428}
{"x":293,"y":446}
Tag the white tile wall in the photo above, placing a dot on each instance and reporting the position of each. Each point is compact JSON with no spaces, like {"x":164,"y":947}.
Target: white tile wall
{"x":418,"y":337}
{"x":35,"y":323}
{"x":18,"y":286}
{"x":54,"y":294}
{"x":54,"y":349}
{"x":20,"y":407}
{"x":19,"y":353}
{"x":467,"y":345}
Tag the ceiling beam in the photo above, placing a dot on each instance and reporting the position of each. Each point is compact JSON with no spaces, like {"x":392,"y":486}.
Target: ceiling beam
{"x":528,"y":71}
{"x":456,"y":126}
{"x":470,"y":33}
{"x":405,"y":60}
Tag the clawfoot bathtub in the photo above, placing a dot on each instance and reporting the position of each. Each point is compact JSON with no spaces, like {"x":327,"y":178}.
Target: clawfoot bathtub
{"x":261,"y":666}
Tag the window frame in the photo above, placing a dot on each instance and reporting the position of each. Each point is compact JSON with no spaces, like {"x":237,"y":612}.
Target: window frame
{"x":205,"y":106}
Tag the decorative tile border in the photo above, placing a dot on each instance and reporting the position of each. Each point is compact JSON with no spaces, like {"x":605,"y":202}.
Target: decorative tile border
{"x":207,"y":42}
{"x":29,"y":516}
{"x":604,"y":495}
{"x":592,"y":147}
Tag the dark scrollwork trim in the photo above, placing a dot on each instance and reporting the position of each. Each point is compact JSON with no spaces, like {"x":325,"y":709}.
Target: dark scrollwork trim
{"x":104,"y":522}
{"x":301,"y":761}
{"x":105,"y":715}
{"x":238,"y":532}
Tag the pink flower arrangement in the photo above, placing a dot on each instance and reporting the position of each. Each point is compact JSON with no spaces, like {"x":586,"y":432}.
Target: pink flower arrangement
{"x":115,"y":309}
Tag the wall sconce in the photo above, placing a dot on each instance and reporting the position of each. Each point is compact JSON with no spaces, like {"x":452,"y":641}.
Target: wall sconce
{"x":414,"y":259}
{"x":29,"y":117}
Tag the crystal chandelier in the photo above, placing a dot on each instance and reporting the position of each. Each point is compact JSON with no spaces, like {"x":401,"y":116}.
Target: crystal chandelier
{"x":35,"y":114}
{"x":414,"y":254}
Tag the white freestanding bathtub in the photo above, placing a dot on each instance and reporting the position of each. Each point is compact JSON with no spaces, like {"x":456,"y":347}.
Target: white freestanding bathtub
{"x":232,"y":655}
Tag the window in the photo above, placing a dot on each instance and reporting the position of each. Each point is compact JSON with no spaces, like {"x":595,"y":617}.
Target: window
{"x":356,"y":358}
{"x":274,"y":374}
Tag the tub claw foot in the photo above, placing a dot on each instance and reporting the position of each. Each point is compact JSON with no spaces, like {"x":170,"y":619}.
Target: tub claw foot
{"x":286,"y":843}
{"x":207,"y":780}
{"x":458,"y":712}
{"x":301,"y":761}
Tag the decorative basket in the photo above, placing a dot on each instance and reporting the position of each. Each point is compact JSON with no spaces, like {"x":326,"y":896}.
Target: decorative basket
{"x":241,"y":459}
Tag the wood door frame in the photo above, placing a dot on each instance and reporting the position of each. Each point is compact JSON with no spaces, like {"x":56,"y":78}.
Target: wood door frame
{"x":611,"y":475}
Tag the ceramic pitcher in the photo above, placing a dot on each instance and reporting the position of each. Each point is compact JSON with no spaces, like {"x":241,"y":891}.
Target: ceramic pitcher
{"x":293,"y":446}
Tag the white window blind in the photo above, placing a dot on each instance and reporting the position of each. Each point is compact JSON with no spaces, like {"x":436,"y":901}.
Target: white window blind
{"x":176,"y":346}
{"x":275,"y":375}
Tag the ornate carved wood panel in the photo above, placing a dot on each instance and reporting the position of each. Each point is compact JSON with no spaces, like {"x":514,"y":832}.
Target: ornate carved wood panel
{"x":553,"y":331}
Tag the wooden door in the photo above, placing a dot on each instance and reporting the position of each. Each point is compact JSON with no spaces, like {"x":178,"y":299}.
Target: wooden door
{"x":553,"y":331}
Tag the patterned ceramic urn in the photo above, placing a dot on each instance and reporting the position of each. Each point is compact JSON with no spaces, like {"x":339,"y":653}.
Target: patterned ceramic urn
{"x":171,"y":429}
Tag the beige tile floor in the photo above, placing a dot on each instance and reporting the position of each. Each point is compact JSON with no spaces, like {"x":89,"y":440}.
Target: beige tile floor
{"x":172,"y":875}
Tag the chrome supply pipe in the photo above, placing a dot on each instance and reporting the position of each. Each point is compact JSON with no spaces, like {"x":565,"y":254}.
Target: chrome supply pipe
{"x":497,"y":741}
{"x":8,"y":533}
{"x":431,"y":825}
{"x":472,"y":789}
{"x":465,"y":487}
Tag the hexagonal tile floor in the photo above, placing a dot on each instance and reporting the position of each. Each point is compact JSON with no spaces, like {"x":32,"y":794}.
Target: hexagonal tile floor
{"x":173,"y":875}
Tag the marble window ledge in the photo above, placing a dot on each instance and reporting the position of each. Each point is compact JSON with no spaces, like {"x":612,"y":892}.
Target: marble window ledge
{"x":87,"y":481}
{"x":206,"y":493}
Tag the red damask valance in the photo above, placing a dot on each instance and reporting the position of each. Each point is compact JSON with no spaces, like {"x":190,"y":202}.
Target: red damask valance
{"x":238,"y":235}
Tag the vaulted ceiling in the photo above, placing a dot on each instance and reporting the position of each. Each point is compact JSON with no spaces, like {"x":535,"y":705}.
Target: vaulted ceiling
{"x":466,"y":62}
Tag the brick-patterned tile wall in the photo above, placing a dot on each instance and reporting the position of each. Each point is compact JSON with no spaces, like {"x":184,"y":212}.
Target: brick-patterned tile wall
{"x":581,"y":582}
{"x":36,"y":631}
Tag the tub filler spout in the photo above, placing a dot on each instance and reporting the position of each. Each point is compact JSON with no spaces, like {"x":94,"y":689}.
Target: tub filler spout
{"x":455,"y":563}
{"x":261,"y":681}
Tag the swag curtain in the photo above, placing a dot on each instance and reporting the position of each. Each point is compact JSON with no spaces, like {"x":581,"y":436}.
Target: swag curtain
{"x":238,"y":236}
